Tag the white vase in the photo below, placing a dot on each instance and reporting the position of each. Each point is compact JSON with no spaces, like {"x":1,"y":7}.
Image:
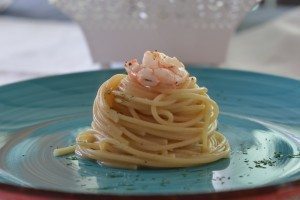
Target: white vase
{"x":195,"y":31}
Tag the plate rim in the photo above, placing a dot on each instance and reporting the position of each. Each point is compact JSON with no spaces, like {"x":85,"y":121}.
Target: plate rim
{"x":266,"y":191}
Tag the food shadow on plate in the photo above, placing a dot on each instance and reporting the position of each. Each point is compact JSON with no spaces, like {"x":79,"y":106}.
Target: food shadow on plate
{"x":102,"y":179}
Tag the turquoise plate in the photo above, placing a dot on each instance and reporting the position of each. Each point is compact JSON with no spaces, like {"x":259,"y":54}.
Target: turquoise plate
{"x":260,"y":116}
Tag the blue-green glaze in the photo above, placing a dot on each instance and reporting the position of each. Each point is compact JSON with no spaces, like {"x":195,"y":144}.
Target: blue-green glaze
{"x":260,"y":115}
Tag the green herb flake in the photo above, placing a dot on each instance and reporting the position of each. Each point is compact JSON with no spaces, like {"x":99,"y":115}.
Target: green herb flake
{"x":280,"y":155}
{"x":294,"y":155}
{"x":264,"y":162}
{"x":259,"y":166}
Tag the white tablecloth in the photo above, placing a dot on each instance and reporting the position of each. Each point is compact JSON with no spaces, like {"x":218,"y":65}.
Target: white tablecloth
{"x":33,"y":48}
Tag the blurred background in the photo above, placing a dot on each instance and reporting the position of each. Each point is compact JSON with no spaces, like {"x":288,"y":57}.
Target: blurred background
{"x":36,"y":39}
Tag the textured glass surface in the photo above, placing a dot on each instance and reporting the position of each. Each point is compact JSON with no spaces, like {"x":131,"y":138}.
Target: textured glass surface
{"x":136,"y":14}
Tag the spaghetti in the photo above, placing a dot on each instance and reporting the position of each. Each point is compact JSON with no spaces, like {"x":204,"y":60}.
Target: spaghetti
{"x":164,"y":125}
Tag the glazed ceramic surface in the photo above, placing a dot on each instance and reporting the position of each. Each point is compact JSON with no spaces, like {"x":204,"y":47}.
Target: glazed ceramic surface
{"x":260,"y":116}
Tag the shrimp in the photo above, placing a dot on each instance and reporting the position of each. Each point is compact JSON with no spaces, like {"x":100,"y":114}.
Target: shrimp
{"x":157,"y":69}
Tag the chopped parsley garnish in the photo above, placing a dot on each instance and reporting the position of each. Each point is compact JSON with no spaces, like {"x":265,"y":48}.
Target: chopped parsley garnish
{"x":265,"y":162}
{"x":281,"y":155}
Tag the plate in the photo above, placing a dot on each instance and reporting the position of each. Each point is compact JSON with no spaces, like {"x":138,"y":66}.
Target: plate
{"x":260,"y":116}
